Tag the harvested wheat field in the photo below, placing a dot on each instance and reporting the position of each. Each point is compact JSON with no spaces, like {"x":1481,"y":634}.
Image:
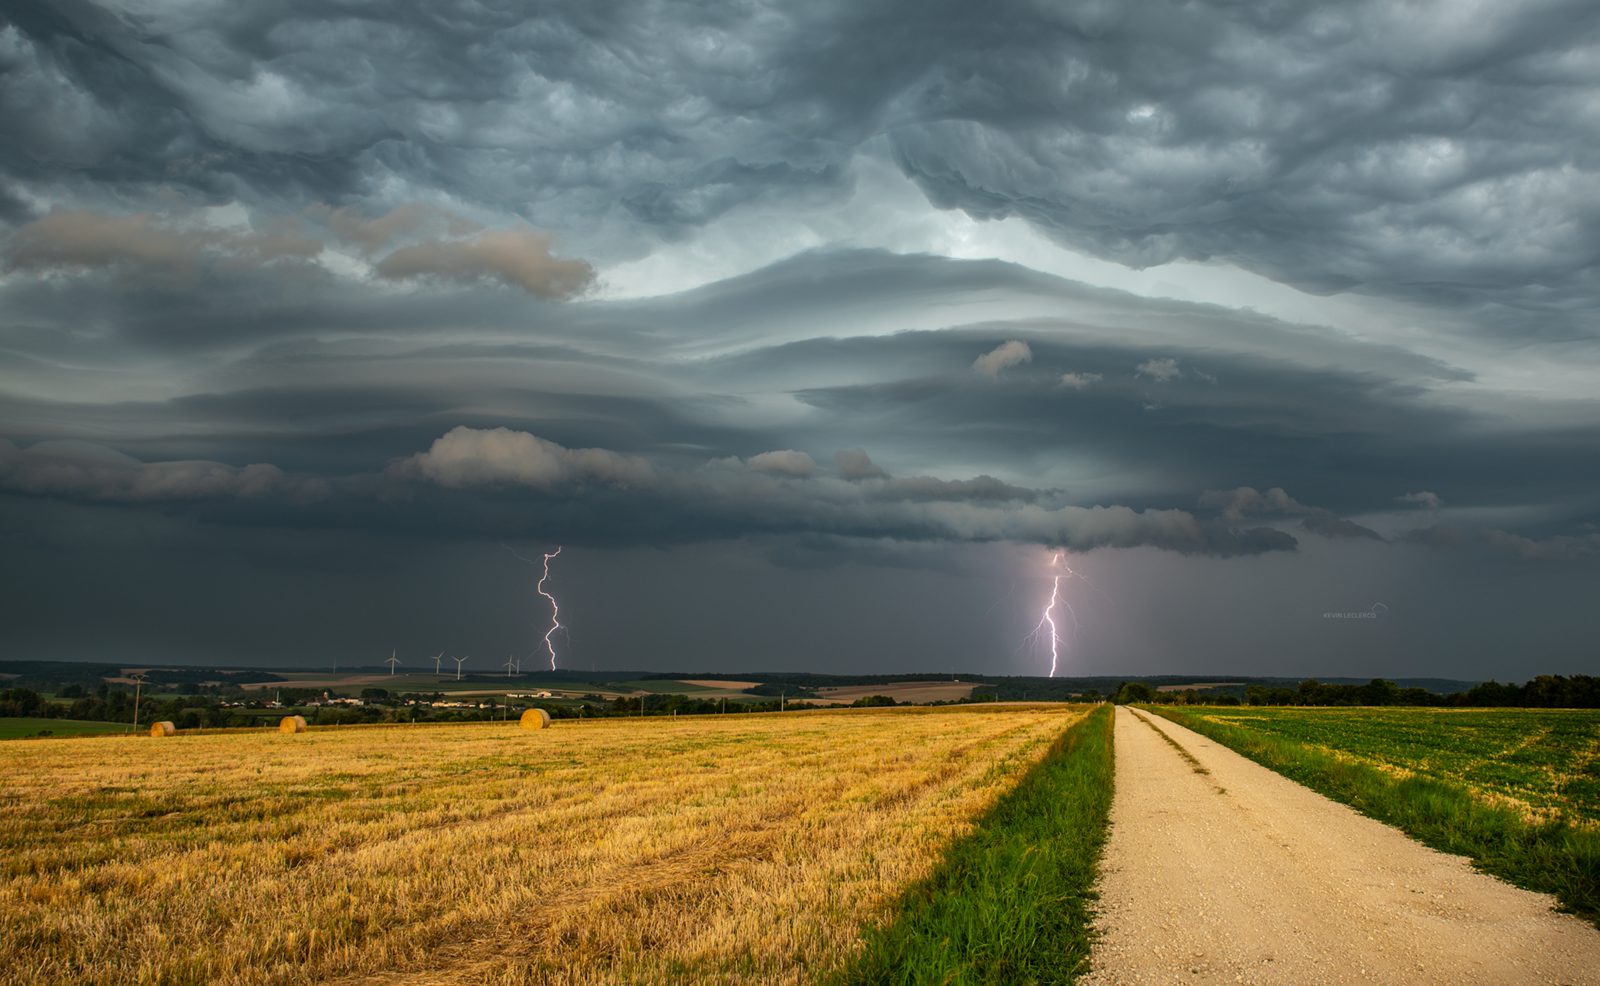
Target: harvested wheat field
{"x":737,"y":849}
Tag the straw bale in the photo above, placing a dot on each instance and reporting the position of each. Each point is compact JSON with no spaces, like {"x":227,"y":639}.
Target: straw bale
{"x":292,"y":724}
{"x":159,"y":729}
{"x":535,"y":719}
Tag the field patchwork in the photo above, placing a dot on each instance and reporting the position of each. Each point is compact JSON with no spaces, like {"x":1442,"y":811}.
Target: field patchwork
{"x":736,"y":849}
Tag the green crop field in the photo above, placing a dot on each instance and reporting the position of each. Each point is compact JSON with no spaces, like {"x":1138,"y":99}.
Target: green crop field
{"x":1514,"y":789}
{"x":1545,"y":761}
{"x":13,"y":728}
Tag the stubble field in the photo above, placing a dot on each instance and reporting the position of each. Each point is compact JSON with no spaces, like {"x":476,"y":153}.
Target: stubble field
{"x":736,"y":849}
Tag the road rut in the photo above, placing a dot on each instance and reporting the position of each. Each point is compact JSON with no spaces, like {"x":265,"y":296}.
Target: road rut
{"x":1239,"y":875}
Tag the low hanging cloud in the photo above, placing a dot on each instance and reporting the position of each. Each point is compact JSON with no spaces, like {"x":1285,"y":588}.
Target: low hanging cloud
{"x":519,"y":257}
{"x":1008,"y":354}
{"x":371,"y":235}
{"x":1560,"y":547}
{"x":1423,"y":499}
{"x":1078,"y":381}
{"x":174,"y":250}
{"x":856,"y":464}
{"x":474,"y":457}
{"x":1238,"y":505}
{"x":1161,"y":370}
{"x":82,"y":470}
{"x":781,"y":492}
{"x":147,"y":244}
{"x":788,"y":462}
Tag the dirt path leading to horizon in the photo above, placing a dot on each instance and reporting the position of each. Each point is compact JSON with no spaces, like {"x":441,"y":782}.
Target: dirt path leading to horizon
{"x":1239,"y":875}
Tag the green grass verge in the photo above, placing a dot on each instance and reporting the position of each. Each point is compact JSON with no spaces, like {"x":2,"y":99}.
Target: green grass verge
{"x":1010,"y":903}
{"x":1553,"y":857}
{"x":13,"y":728}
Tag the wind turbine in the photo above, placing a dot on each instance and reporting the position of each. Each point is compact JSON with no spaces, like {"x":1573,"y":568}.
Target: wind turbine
{"x":509,"y":663}
{"x":393,"y":660}
{"x":458,"y":661}
{"x":436,"y":659}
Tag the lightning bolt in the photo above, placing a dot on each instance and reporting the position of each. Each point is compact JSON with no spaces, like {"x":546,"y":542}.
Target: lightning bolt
{"x":555,"y":611}
{"x":1055,"y":636}
{"x":1048,"y":619}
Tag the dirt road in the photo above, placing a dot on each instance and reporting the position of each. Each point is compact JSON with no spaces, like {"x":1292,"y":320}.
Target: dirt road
{"x":1240,"y":875}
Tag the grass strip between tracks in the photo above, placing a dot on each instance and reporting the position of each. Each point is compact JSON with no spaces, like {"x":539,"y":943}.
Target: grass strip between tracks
{"x":1010,"y":903}
{"x":1554,"y":857}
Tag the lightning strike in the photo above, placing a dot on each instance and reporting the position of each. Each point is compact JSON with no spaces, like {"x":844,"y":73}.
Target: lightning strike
{"x":1048,"y":619}
{"x":1055,"y":636}
{"x":555,"y":611}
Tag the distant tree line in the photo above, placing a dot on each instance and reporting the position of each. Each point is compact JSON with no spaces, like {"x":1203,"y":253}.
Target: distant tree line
{"x":114,"y":705}
{"x":1546,"y":691}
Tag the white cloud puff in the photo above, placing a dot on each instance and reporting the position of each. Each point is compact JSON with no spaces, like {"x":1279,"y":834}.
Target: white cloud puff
{"x":1161,"y":369}
{"x":789,"y":462}
{"x":1007,"y":354}
{"x":1243,"y":503}
{"x":475,"y":457}
{"x":1423,"y":499}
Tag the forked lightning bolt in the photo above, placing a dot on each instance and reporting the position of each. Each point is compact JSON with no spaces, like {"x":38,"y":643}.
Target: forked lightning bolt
{"x":1055,"y":637}
{"x":1048,"y":619}
{"x":555,"y":611}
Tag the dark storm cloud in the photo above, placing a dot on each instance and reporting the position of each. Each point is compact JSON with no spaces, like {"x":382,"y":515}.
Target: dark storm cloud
{"x":1429,"y":149}
{"x":536,"y":488}
{"x":455,"y":413}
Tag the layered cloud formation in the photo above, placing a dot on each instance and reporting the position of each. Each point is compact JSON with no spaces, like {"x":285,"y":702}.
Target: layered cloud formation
{"x":1413,"y":148}
{"x":658,"y":275}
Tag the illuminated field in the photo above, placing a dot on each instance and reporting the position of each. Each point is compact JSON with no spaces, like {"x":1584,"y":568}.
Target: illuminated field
{"x":738,"y":849}
{"x":1542,"y":761}
{"x":1513,"y":789}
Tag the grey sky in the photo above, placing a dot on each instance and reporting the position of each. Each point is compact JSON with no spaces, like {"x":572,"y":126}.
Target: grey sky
{"x":829,"y":320}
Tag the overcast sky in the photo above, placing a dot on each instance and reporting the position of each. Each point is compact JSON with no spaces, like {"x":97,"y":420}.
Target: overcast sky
{"x":829,"y":336}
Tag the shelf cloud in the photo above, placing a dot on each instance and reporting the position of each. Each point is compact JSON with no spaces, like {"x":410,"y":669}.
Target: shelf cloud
{"x":1290,"y":297}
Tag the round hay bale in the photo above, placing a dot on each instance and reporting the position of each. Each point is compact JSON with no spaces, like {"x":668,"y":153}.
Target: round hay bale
{"x":159,"y":729}
{"x":292,"y":724}
{"x":535,"y":719}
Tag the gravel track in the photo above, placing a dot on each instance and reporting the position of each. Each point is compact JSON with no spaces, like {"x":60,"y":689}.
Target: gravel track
{"x":1239,"y":875}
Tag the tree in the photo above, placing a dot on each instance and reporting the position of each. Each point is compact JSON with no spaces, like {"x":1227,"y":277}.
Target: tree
{"x":1133,"y":691}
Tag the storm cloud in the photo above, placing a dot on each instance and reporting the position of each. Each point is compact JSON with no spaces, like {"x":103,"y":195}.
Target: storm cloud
{"x":1306,"y":289}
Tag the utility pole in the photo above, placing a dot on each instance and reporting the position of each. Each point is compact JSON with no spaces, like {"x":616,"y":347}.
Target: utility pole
{"x":138,"y":682}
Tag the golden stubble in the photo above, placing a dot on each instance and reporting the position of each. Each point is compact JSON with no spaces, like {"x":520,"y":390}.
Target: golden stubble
{"x":736,"y":849}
